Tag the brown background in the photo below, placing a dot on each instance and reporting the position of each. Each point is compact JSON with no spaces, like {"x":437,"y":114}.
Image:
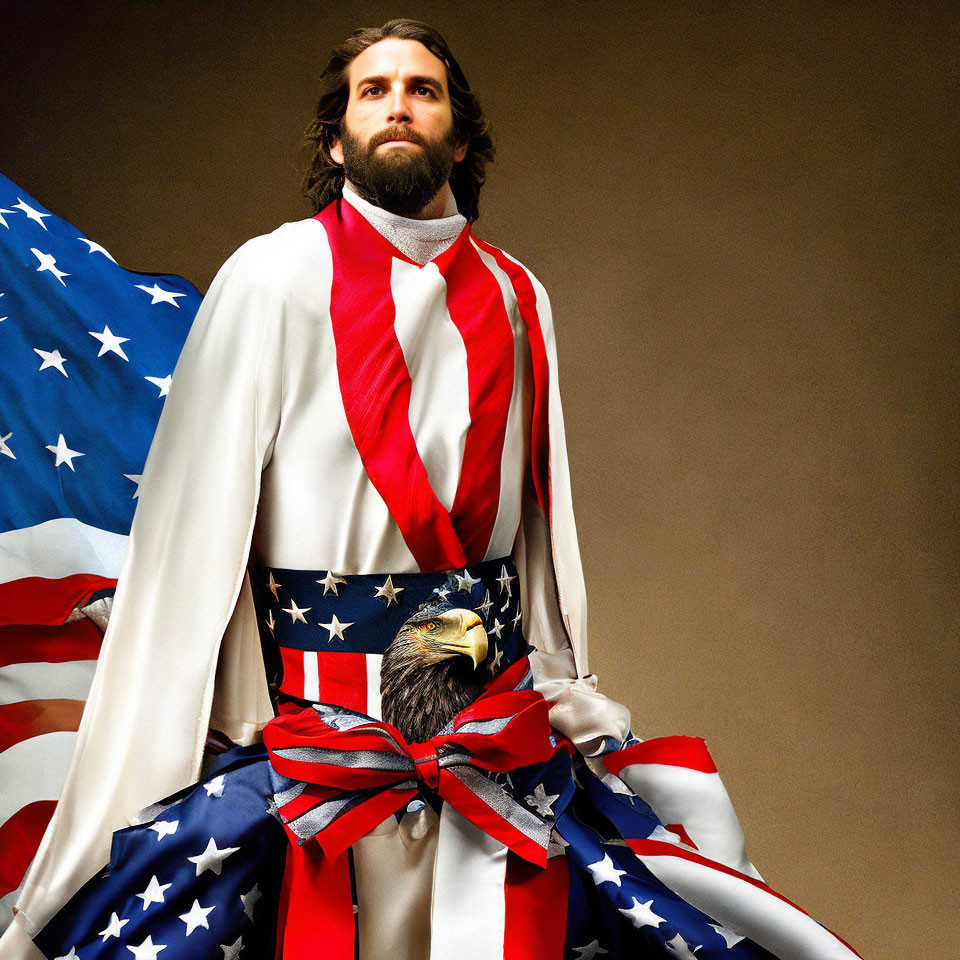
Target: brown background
{"x":746,"y":214}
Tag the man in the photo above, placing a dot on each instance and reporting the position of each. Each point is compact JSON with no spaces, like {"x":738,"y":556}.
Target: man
{"x":368,"y":404}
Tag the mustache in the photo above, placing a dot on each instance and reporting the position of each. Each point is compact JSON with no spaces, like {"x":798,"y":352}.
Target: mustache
{"x":398,"y":132}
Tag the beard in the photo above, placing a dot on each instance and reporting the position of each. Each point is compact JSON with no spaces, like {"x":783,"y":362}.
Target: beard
{"x":402,"y":180}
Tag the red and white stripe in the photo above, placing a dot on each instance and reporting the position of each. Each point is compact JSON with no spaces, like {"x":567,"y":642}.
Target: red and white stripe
{"x":439,"y":471}
{"x":349,"y":679}
{"x":47,"y":570}
{"x":677,"y":777}
{"x":506,"y":896}
{"x":45,"y":676}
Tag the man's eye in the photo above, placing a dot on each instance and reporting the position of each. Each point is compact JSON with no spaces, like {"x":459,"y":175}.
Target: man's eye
{"x":424,"y":91}
{"x":373,"y":91}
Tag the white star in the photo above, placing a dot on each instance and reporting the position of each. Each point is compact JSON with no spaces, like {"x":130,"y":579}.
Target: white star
{"x":160,"y":295}
{"x":273,"y":810}
{"x":389,"y":591}
{"x":64,"y":453}
{"x":51,"y":358}
{"x":196,"y":917}
{"x":110,"y":342}
{"x":4,"y":449}
{"x":96,"y":248}
{"x":147,"y":950}
{"x":273,"y":586}
{"x":153,"y":893}
{"x":112,"y":929}
{"x":250,"y":899}
{"x":232,"y":950}
{"x":270,"y":622}
{"x":496,"y":628}
{"x":296,"y":613}
{"x":516,"y":619}
{"x":164,"y":828}
{"x":590,"y":950}
{"x":504,"y":580}
{"x":162,"y":382}
{"x":641,"y":915}
{"x":441,"y":592}
{"x":604,"y":871}
{"x":214,"y":787}
{"x":212,"y":858}
{"x":680,"y":948}
{"x":335,"y":627}
{"x":330,"y":582}
{"x":48,"y":263}
{"x":466,"y":582}
{"x":485,"y":606}
{"x":542,"y":800}
{"x":7,"y":225}
{"x":497,"y":657}
{"x":72,"y":955}
{"x":30,"y":212}
{"x":136,"y":478}
{"x":729,"y":936}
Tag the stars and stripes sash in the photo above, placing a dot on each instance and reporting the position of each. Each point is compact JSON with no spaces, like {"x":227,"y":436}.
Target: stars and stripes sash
{"x":324,"y":634}
{"x":345,"y":773}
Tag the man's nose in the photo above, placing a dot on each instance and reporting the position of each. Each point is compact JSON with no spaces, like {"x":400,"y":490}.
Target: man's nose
{"x":398,"y":106}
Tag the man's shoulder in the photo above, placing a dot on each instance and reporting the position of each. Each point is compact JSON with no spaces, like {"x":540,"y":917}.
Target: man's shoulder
{"x":519,"y":272}
{"x":285,"y":251}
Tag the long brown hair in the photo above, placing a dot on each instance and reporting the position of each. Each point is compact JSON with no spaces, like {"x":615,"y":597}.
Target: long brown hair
{"x":323,"y":180}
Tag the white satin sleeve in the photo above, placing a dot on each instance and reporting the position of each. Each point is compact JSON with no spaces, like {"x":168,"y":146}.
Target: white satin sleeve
{"x":144,"y":727}
{"x":555,"y":605}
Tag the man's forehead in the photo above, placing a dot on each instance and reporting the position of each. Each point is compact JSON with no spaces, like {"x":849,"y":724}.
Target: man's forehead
{"x":393,"y":57}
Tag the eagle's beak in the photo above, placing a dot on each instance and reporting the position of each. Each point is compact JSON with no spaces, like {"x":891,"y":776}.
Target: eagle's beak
{"x":466,"y":635}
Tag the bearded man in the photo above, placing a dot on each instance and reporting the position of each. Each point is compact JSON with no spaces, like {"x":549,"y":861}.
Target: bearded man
{"x":361,"y":463}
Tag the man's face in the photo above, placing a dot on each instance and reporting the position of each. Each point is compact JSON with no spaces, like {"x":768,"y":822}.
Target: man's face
{"x":397,"y":144}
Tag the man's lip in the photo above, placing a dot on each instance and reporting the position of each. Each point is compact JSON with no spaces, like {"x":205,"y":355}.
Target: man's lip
{"x":397,"y":140}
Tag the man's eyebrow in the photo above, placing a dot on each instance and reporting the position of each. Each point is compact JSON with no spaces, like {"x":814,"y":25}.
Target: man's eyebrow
{"x":427,"y":82}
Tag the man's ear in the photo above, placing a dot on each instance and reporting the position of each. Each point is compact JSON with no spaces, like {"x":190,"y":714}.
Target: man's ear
{"x":460,"y":152}
{"x":336,"y":151}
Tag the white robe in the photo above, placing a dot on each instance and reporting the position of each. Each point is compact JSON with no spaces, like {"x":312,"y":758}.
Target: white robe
{"x":253,"y":453}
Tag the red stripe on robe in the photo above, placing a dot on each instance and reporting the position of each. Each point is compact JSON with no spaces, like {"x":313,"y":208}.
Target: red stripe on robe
{"x":375,"y":387}
{"x":476,"y":307}
{"x":688,"y":752}
{"x":540,"y":437}
{"x":316,"y":917}
{"x":535,"y":922}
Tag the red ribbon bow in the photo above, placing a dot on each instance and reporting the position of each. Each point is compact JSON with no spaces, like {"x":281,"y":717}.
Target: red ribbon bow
{"x":352,"y":772}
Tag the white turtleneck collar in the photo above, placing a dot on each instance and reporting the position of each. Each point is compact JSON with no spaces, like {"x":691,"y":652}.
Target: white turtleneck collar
{"x":420,"y":240}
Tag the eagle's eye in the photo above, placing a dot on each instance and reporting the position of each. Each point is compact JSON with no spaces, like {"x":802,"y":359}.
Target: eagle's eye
{"x":431,"y":626}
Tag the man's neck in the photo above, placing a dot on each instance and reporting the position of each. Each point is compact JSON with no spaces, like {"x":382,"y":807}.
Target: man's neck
{"x":419,"y":239}
{"x":437,"y":207}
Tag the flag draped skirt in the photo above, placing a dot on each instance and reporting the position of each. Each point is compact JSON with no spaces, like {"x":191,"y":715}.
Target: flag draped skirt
{"x":337,"y":403}
{"x":496,"y":838}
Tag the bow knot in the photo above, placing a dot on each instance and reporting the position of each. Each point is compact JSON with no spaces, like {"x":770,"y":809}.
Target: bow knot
{"x":427,"y":761}
{"x":347,"y":772}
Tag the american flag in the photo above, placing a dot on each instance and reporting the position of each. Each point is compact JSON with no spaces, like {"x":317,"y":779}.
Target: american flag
{"x":88,"y":351}
{"x":201,"y":878}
